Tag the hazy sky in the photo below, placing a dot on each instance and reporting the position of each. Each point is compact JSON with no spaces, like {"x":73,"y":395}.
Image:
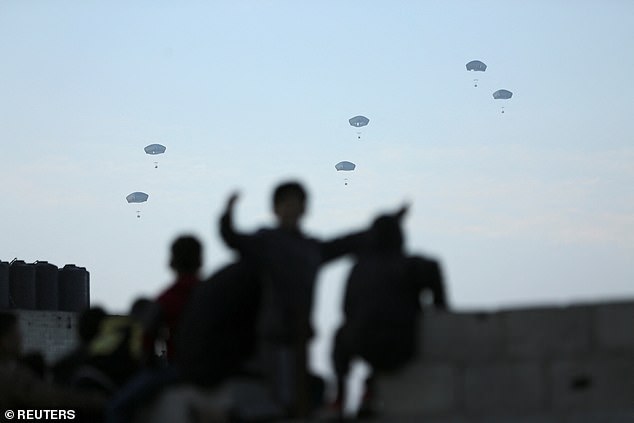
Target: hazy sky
{"x":532,"y":206}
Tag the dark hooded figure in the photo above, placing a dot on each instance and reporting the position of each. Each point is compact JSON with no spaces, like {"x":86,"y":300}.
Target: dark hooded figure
{"x":382,"y":304}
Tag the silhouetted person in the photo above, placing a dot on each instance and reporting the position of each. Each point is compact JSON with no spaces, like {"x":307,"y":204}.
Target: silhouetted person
{"x":67,"y":370}
{"x":116,"y":351}
{"x":35,"y":361}
{"x":382,"y":304}
{"x":217,"y":333}
{"x":286,"y":261}
{"x":144,"y":386}
{"x":147,"y":314}
{"x":185,"y":261}
{"x":20,"y":388}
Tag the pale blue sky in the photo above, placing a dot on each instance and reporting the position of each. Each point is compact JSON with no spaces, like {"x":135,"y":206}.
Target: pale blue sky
{"x":532,"y":206}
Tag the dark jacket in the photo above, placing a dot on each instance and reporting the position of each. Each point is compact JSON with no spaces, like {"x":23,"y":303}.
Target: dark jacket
{"x":217,"y":332}
{"x":287,"y":263}
{"x":382,"y":306}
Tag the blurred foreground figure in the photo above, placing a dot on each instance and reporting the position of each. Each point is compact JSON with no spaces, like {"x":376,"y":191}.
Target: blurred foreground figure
{"x":21,"y":388}
{"x":186,"y":262}
{"x":153,"y":319}
{"x":286,"y":262}
{"x":216,"y":336}
{"x":382,"y":305}
{"x":74,"y":368}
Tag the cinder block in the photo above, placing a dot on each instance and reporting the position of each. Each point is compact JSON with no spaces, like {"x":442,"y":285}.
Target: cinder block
{"x":592,"y":384}
{"x":418,"y":389}
{"x":612,"y":327}
{"x":547,"y":332}
{"x":510,"y":388}
{"x":465,"y":337}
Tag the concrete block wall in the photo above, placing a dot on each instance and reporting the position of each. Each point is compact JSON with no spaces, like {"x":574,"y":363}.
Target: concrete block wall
{"x":52,"y":333}
{"x":546,"y":364}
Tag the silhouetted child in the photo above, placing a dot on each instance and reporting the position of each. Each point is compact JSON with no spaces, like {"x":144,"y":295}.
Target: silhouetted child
{"x":149,"y":382}
{"x":382,"y":304}
{"x":186,"y":261}
{"x":287,"y":262}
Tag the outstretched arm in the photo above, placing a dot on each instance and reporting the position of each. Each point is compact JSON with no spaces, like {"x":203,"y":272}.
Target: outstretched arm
{"x":356,"y":243}
{"x":228,"y":233}
{"x":351,"y":243}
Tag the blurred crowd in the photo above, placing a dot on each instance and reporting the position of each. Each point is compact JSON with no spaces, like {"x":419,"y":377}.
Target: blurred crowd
{"x":232,"y":346}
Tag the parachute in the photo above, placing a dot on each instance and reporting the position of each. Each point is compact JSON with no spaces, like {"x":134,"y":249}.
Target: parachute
{"x":137,"y":197}
{"x":502,"y":95}
{"x":346,"y":167}
{"x":359,"y":121}
{"x":477,"y":66}
{"x":153,"y":150}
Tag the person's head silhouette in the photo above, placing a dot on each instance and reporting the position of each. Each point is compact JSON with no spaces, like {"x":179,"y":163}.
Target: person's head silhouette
{"x":388,"y":236}
{"x":289,"y":204}
{"x":186,"y":254}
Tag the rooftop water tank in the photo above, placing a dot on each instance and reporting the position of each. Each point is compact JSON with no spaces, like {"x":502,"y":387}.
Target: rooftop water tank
{"x":74,"y":289}
{"x":4,"y":285}
{"x":47,"y":286}
{"x":22,"y":285}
